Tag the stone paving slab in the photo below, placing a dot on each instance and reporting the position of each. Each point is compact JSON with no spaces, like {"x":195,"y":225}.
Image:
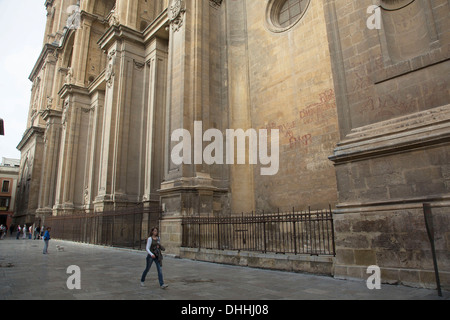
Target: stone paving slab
{"x":114,"y":274}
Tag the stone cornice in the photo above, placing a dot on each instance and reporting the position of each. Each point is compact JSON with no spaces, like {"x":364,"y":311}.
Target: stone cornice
{"x":99,"y":83}
{"x":48,"y":48}
{"x":28,"y":134}
{"x":157,"y":27}
{"x":390,"y":205}
{"x":119,"y":32}
{"x":91,"y":17}
{"x":48,"y":113}
{"x":418,"y":130}
{"x":197,"y":184}
{"x":70,"y":89}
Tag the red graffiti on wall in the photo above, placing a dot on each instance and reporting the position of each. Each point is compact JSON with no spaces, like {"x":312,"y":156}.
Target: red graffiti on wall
{"x":315,"y":111}
{"x":293,"y":132}
{"x":389,"y":105}
{"x":299,"y":141}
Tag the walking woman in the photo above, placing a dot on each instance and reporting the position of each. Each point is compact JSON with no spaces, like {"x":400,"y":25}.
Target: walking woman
{"x":153,"y":249}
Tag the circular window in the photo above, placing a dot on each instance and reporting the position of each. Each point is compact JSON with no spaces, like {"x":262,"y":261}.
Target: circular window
{"x":284,"y":14}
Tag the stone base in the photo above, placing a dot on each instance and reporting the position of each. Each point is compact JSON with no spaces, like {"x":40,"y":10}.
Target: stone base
{"x":395,"y":239}
{"x":293,"y":263}
{"x":395,"y":276}
{"x":171,"y":235}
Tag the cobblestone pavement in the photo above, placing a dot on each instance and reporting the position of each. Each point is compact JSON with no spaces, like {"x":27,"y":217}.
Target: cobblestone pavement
{"x":114,"y":274}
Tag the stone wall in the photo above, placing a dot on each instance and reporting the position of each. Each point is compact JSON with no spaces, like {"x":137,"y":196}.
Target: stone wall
{"x":392,"y":95}
{"x":396,"y":240}
{"x":291,"y":89}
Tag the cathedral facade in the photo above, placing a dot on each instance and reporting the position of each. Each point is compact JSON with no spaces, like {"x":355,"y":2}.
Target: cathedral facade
{"x":358,"y":91}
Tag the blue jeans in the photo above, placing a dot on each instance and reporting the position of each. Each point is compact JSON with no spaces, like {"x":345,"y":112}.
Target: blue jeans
{"x":45,"y":246}
{"x":150,"y":261}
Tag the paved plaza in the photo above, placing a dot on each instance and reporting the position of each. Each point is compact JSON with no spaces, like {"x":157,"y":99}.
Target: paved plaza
{"x":114,"y":274}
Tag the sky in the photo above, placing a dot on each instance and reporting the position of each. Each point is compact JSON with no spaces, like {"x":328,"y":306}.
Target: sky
{"x":22,"y":25}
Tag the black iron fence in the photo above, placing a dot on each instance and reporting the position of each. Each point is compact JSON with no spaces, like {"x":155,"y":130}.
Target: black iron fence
{"x":128,"y":228}
{"x":294,"y":232}
{"x":289,"y":232}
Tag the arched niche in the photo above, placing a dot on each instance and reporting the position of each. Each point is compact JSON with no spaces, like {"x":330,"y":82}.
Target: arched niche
{"x":68,"y":50}
{"x":406,"y":29}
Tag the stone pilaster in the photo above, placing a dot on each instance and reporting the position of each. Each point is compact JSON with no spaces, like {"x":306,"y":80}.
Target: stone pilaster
{"x":72,"y":157}
{"x":93,"y":148}
{"x":121,"y":166}
{"x":242,"y":181}
{"x":192,"y":188}
{"x":156,"y":90}
{"x":52,"y":141}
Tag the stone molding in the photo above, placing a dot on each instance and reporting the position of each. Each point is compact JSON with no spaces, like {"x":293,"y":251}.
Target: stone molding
{"x":413,"y":131}
{"x":28,"y":134}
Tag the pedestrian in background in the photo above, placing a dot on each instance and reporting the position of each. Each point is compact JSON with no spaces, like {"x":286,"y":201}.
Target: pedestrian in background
{"x":2,"y":231}
{"x":46,"y":240}
{"x":18,"y":232}
{"x":37,"y":233}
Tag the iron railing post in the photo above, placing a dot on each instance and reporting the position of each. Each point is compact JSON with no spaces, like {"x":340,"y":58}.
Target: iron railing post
{"x":218,"y":234}
{"x":294,"y":231}
{"x":264,"y":230}
{"x":430,"y":231}
{"x":332,"y":232}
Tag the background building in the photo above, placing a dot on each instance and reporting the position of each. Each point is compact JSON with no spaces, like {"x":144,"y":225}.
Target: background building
{"x":363,"y":117}
{"x":9,"y":174}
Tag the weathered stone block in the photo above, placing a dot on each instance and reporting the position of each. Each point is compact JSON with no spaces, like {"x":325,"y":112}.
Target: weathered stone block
{"x":345,"y":256}
{"x":409,"y":277}
{"x":390,"y":276}
{"x":365,"y":257}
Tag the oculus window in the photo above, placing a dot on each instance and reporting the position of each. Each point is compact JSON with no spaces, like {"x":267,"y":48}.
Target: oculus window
{"x":284,"y":14}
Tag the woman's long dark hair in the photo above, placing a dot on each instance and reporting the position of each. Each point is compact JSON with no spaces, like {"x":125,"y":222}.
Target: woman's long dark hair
{"x":151,"y":232}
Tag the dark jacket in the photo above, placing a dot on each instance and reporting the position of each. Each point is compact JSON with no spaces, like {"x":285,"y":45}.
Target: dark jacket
{"x":158,"y":251}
